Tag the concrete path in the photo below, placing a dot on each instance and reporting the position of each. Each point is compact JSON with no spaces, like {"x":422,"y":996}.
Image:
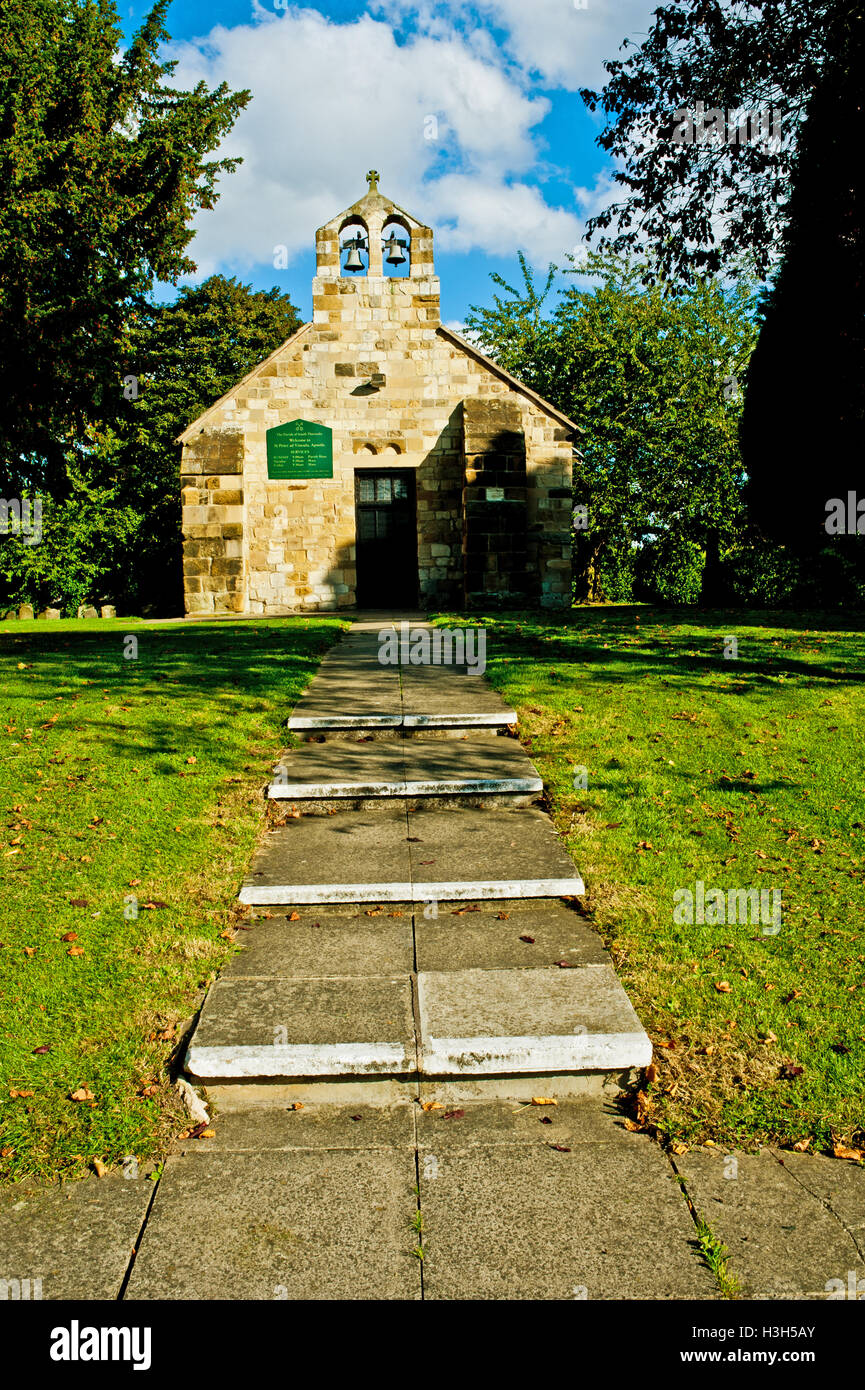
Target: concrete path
{"x":436,"y":816}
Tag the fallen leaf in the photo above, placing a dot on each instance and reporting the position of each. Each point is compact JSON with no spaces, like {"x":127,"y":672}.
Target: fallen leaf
{"x":75,"y":951}
{"x":651,"y":1072}
{"x":565,"y":964}
{"x":545,"y":1120}
{"x":789,"y":1071}
{"x":679,"y":1149}
{"x":723,"y":987}
{"x":294,"y":916}
{"x":29,"y":950}
{"x":39,"y":1051}
{"x":207,"y":1134}
{"x":802,"y":1144}
{"x":78,"y":902}
{"x":453,"y":1114}
{"x":431,"y":1105}
{"x":502,"y":916}
{"x":295,"y":1105}
{"x":559,"y":1148}
{"x":529,"y":939}
{"x":81,"y":1094}
{"x":842,"y":1151}
{"x":20,"y":1095}
{"x":99,"y":1168}
{"x":544,"y":1100}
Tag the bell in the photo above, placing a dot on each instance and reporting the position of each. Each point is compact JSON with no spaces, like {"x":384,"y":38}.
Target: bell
{"x":353,"y":261}
{"x":393,"y":246}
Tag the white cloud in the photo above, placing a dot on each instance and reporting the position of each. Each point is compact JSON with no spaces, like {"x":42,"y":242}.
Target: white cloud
{"x":330,"y":100}
{"x":471,"y":212}
{"x":563,"y":44}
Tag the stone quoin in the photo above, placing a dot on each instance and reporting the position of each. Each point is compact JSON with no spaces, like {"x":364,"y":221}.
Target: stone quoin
{"x":376,"y":458}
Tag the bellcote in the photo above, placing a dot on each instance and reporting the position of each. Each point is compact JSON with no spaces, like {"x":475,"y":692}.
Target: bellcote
{"x":374,"y":239}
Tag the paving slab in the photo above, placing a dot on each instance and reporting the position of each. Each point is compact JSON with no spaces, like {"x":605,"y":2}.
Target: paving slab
{"x":499,"y":852}
{"x":316,"y":945}
{"x":784,"y":1242}
{"x":344,"y":769}
{"x":293,"y":1225}
{"x":519,"y":1219}
{"x":462,"y":939}
{"x":450,"y":691}
{"x":318,"y":1127}
{"x":485,"y":1123}
{"x":76,"y":1237}
{"x":486,"y":1022}
{"x":350,"y":857}
{"x":479,"y":764}
{"x":839,"y":1185}
{"x":303,"y":1028}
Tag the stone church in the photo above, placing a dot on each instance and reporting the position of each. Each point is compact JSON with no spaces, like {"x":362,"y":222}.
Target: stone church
{"x":376,"y":459}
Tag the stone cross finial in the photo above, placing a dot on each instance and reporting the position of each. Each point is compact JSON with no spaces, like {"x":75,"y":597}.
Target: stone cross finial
{"x":372,"y":180}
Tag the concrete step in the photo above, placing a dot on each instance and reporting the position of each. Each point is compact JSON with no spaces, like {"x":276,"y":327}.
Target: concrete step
{"x":305,"y":1028}
{"x":408,"y":852}
{"x":470,"y":768}
{"x":495,"y":1022}
{"x":409,"y":726}
{"x":335,"y":997}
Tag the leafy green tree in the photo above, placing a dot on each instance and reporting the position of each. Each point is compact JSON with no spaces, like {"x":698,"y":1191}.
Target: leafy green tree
{"x":85,"y":542}
{"x":102,"y":165}
{"x":714,"y":205}
{"x":181,"y":358}
{"x":116,"y":533}
{"x":790,"y":207}
{"x":650,"y":374}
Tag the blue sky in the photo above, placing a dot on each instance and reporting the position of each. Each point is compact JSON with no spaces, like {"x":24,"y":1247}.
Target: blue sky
{"x":471,"y":114}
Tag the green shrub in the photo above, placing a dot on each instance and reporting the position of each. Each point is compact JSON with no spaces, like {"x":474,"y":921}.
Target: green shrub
{"x":670,"y":570}
{"x":85,"y":541}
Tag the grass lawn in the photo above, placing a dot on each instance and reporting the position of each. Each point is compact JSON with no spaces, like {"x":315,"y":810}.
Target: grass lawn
{"x":741,"y":772}
{"x":130,"y":802}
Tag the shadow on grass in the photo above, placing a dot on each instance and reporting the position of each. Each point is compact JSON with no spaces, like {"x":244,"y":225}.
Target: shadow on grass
{"x":575,"y":638}
{"x":196,"y":665}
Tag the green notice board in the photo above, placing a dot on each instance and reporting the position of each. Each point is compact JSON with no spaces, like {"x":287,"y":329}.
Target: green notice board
{"x":300,"y":449}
